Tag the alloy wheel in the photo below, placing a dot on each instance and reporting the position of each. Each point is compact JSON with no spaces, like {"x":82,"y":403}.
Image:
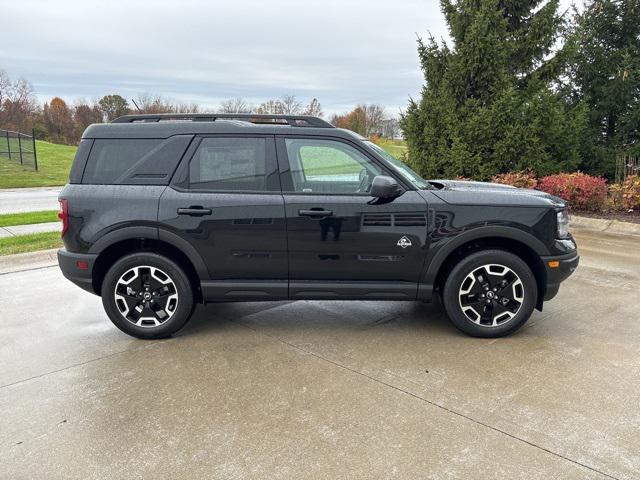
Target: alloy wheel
{"x":146,"y":296}
{"x":491,"y":295}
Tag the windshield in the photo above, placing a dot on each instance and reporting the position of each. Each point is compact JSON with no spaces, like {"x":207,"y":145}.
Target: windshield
{"x":400,"y":167}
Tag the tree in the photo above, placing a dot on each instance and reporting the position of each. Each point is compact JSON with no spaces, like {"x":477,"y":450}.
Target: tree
{"x":18,"y":105}
{"x":235,"y":105}
{"x":313,"y":108}
{"x":83,"y":116}
{"x":487,"y":105}
{"x":290,"y":105}
{"x":113,"y":106}
{"x":606,"y":76}
{"x":58,"y":121}
{"x":367,"y":120}
{"x":270,"y":107}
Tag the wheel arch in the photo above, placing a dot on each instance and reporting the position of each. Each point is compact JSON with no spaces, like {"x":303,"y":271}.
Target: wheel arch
{"x":523,"y":245}
{"x":147,"y":239}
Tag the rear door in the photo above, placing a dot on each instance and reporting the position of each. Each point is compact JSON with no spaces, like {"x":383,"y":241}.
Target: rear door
{"x":342,"y":243}
{"x":226,"y":201}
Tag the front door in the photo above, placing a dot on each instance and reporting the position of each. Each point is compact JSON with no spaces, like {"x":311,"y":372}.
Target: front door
{"x":341,"y":243}
{"x":226,"y":202}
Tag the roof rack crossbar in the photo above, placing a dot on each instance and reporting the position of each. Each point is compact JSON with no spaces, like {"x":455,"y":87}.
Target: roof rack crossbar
{"x":291,"y":120}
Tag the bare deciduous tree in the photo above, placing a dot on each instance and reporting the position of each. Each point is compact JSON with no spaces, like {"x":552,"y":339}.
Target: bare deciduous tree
{"x":18,"y":105}
{"x":374,"y":116}
{"x":235,"y":105}
{"x":313,"y":108}
{"x":271,"y":107}
{"x":290,"y":105}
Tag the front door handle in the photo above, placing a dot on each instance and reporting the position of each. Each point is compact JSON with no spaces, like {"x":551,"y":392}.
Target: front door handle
{"x":320,"y":213}
{"x":194,"y":211}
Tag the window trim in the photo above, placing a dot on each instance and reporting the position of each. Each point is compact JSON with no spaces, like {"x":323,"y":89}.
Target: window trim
{"x":284,"y":166}
{"x":180,"y":180}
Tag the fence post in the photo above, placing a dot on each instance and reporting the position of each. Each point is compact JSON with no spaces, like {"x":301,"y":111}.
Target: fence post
{"x":20,"y":147}
{"x":8,"y":145}
{"x":35,"y":156}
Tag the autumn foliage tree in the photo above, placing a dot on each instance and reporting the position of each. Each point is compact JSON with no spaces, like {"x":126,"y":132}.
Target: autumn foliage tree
{"x":58,"y":120}
{"x":367,"y":120}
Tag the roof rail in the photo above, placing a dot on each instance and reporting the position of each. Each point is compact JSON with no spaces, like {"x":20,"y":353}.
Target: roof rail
{"x":291,"y":120}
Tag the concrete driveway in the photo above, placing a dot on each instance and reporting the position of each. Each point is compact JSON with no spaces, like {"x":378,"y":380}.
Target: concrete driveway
{"x":318,"y":390}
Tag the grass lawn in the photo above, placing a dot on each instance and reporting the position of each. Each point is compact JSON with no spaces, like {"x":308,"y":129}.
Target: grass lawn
{"x":54,"y":162}
{"x":319,"y":160}
{"x":395,"y":147}
{"x":28,"y":218}
{"x":30,"y":243}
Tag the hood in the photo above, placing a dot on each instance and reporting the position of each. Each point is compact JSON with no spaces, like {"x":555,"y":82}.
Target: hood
{"x":459,"y":192}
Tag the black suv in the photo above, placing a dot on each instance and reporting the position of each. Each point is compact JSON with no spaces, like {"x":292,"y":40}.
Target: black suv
{"x":165,"y":211}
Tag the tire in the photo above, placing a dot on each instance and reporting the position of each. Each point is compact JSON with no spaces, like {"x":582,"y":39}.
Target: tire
{"x":480,"y":303}
{"x":147,"y":296}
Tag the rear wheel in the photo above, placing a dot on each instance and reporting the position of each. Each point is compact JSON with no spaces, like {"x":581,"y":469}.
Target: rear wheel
{"x":147,"y":295}
{"x":490,"y":293}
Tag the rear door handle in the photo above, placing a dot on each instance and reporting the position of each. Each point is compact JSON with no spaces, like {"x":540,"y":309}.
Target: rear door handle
{"x":315,"y":213}
{"x":194,"y":211}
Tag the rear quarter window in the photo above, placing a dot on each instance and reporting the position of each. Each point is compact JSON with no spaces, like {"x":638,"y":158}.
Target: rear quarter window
{"x":111,"y":158}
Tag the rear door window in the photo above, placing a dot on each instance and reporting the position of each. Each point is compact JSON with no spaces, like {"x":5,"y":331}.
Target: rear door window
{"x":234,"y":164}
{"x":111,"y":158}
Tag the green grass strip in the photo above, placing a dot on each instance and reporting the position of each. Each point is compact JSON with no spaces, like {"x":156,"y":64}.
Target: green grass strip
{"x":28,"y":218}
{"x":30,"y":243}
{"x":54,"y":163}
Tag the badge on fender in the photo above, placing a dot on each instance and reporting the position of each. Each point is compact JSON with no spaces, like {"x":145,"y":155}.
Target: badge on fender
{"x":404,"y":242}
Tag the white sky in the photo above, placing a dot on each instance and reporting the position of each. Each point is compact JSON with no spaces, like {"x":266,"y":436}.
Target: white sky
{"x":196,"y":51}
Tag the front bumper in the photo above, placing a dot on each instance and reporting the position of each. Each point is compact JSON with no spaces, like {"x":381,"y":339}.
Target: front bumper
{"x":78,"y":267}
{"x":566,"y":265}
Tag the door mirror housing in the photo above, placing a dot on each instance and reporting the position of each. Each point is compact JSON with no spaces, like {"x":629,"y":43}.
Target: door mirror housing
{"x":384,"y":187}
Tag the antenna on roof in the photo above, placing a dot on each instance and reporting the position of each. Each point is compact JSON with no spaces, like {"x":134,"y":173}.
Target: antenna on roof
{"x":134,"y":102}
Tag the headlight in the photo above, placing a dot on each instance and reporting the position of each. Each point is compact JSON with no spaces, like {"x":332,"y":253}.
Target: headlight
{"x":563,"y":224}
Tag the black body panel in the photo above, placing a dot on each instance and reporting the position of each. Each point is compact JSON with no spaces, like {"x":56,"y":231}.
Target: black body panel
{"x":280,"y":244}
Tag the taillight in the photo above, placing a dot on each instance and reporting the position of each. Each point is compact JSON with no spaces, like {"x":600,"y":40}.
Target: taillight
{"x":63,"y":215}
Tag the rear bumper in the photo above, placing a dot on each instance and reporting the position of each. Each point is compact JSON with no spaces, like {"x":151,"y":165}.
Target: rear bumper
{"x":567,"y":264}
{"x":73,"y":268}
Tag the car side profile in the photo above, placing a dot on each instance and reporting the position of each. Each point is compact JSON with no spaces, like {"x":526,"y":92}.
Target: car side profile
{"x":162,"y":212}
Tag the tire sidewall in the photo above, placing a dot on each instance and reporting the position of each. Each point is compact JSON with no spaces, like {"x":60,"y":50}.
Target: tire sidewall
{"x":177,"y":275}
{"x":470,"y":263}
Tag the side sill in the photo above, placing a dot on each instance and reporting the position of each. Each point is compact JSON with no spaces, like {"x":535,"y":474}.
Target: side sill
{"x":243,"y":290}
{"x":337,"y":290}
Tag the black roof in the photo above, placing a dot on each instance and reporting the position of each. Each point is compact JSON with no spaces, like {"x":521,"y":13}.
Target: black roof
{"x":166,"y":125}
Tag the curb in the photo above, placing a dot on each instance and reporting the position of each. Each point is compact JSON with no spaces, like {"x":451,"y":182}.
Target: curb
{"x":614,"y":227}
{"x":28,"y":261}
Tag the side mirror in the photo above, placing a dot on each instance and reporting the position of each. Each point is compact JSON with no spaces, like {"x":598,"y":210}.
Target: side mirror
{"x":384,"y":187}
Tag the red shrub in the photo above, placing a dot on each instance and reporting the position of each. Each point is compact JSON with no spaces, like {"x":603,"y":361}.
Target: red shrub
{"x":517,"y":179}
{"x":581,"y":191}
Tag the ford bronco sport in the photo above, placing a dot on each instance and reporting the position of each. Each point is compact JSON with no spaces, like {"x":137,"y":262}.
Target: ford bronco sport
{"x":165,"y":211}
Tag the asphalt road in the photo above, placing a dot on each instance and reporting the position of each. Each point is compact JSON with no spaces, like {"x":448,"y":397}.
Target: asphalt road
{"x":18,"y":200}
{"x":318,"y":390}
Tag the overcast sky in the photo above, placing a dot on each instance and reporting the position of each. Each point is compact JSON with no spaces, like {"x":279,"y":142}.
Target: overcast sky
{"x":196,"y":51}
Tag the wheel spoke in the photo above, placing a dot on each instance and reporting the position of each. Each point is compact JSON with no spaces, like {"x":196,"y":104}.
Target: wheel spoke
{"x":146,"y":296}
{"x":491,"y":295}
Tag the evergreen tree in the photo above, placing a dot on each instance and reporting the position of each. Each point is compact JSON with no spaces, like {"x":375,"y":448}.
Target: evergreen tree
{"x":606,"y":76}
{"x":487,"y":105}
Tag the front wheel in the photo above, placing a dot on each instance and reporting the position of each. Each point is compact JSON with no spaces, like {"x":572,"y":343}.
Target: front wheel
{"x":490,"y":293}
{"x":147,"y":295}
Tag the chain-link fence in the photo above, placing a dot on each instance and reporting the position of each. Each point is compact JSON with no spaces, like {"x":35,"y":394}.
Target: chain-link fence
{"x":18,"y":147}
